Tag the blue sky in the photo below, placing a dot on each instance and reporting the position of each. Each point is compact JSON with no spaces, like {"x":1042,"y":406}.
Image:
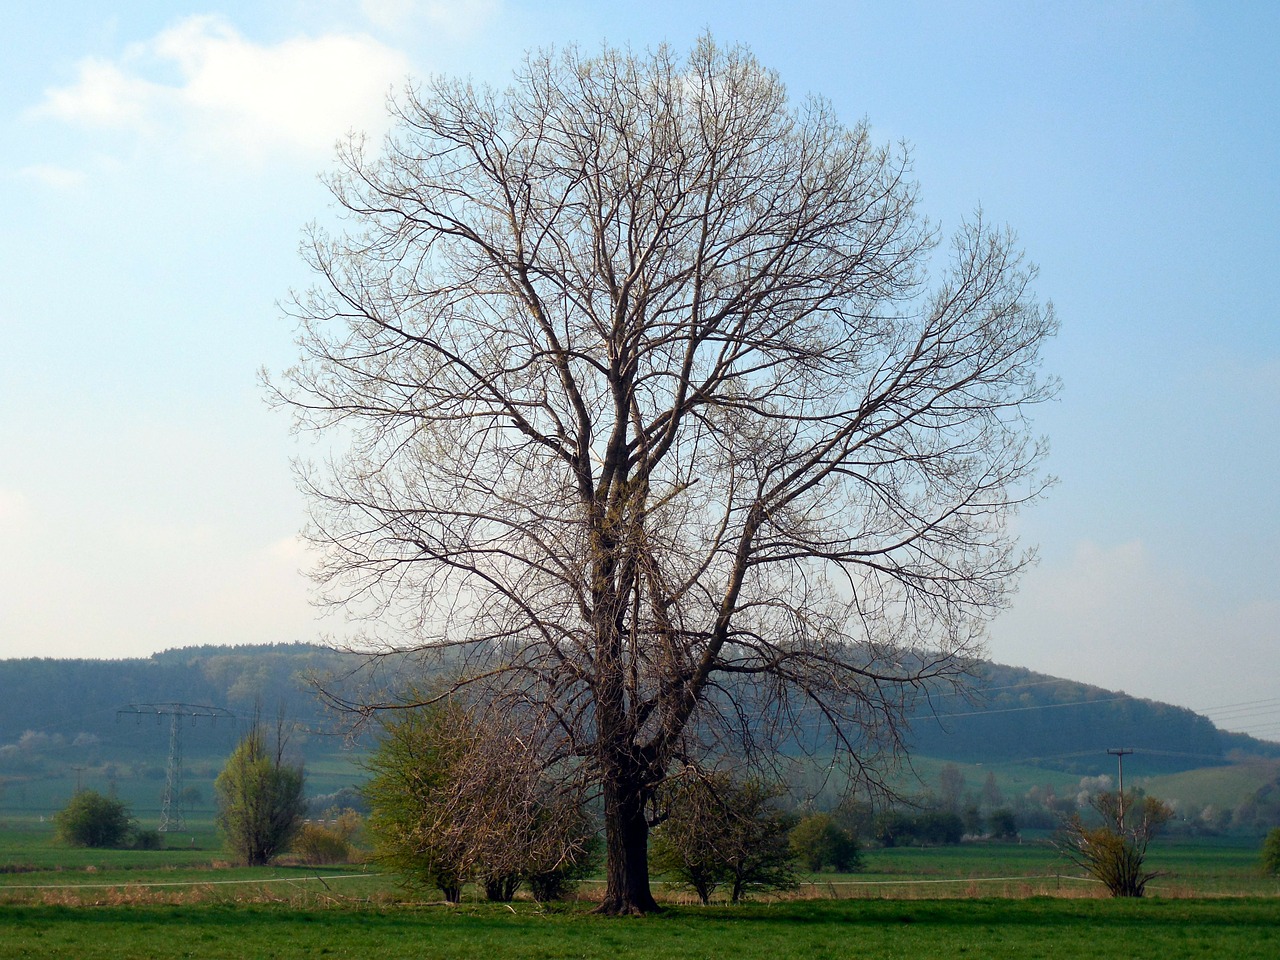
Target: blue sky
{"x":158,"y":160}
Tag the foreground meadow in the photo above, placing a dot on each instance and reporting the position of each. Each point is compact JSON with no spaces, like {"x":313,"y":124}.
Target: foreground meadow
{"x":1242,"y":929}
{"x":999,"y":900}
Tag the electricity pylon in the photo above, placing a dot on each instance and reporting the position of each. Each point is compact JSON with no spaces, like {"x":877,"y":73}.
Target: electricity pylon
{"x":171,"y":816}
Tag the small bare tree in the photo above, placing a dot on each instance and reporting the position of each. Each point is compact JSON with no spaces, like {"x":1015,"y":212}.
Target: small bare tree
{"x":657,"y":427}
{"x":453,"y":801}
{"x":1115,"y":851}
{"x":717,"y":830}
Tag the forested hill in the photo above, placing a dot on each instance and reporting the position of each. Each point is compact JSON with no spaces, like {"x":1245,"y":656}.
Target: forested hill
{"x":1011,"y":715}
{"x":1014,"y":715}
{"x":71,"y":699}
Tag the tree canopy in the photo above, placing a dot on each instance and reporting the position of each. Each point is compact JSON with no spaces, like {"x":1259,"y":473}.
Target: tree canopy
{"x":453,"y":801}
{"x":654,"y":419}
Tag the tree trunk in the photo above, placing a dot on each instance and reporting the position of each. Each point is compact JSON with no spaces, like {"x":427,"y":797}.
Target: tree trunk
{"x":626,"y":851}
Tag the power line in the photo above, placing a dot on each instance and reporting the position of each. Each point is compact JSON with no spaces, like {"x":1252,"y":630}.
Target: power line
{"x":1243,"y":703}
{"x":1038,"y":706}
{"x":171,"y":816}
{"x":1120,"y":753}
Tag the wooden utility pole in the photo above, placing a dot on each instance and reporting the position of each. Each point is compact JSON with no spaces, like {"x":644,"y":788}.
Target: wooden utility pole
{"x":1120,"y":753}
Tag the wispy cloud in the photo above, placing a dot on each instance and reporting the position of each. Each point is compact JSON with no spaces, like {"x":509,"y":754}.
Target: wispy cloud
{"x":233,"y":97}
{"x":57,"y":177}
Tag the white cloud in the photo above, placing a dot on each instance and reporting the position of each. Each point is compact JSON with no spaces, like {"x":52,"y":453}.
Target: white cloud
{"x":233,"y":96}
{"x":103,"y":96}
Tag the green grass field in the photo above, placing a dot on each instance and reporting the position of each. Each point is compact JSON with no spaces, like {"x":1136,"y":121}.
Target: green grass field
{"x":1223,"y":786}
{"x":980,"y":900}
{"x":989,"y":928}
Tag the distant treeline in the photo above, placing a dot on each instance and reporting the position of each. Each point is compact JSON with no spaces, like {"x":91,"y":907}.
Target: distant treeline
{"x":1013,"y":715}
{"x":92,"y":700}
{"x":1009,"y":715}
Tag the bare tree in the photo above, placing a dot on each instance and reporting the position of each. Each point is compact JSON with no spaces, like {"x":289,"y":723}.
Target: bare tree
{"x":715,"y":829}
{"x":455,"y":801}
{"x":655,"y":419}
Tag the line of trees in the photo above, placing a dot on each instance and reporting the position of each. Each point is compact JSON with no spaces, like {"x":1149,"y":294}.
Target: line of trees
{"x":455,"y":801}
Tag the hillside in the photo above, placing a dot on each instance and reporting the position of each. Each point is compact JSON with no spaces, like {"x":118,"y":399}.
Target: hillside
{"x":1014,"y":715}
{"x":1031,"y":739}
{"x":1010,"y":715}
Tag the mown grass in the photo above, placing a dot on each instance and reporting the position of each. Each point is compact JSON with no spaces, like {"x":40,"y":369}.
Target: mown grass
{"x":992,"y":928}
{"x":1217,"y":866}
{"x":1213,"y":902}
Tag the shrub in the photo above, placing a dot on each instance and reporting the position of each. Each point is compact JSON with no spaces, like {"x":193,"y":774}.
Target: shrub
{"x":931,"y":827}
{"x":818,"y":841}
{"x":318,"y":845}
{"x":148,"y":840}
{"x":1115,"y":851}
{"x":1002,"y":824}
{"x":92,"y":820}
{"x":331,"y":839}
{"x":1271,"y":852}
{"x":939,"y":828}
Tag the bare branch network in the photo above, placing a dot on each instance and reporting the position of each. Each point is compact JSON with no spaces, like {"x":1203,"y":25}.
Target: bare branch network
{"x":655,"y":416}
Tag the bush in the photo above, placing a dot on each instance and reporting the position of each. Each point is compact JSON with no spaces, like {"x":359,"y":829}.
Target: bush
{"x":317,"y":846}
{"x":148,"y":840}
{"x":1115,"y":851}
{"x":92,"y":820}
{"x":939,"y":828}
{"x":896,"y":827}
{"x":1002,"y":824}
{"x":819,"y":842}
{"x":1271,"y":852}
